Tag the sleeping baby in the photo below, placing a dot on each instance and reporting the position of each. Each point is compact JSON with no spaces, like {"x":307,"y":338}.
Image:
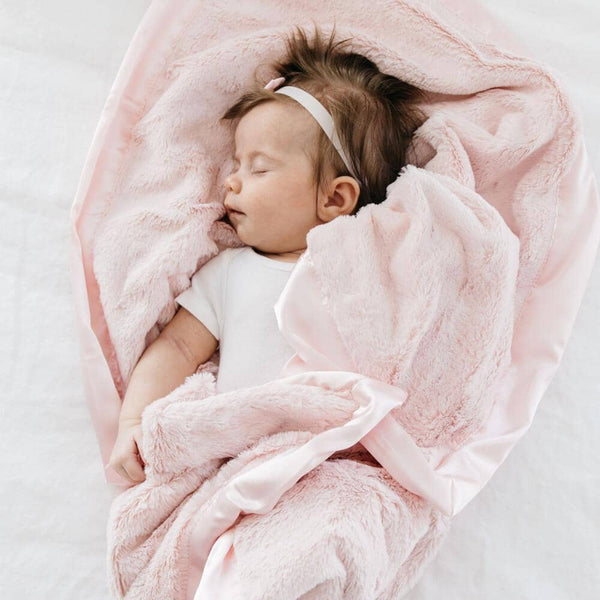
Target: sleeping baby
{"x":324,"y":144}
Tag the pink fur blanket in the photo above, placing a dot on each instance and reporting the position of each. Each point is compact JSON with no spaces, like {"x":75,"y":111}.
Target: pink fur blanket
{"x":409,"y":320}
{"x":417,"y":292}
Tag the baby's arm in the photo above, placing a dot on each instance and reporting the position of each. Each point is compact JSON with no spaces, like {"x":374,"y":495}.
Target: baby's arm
{"x":176,"y":353}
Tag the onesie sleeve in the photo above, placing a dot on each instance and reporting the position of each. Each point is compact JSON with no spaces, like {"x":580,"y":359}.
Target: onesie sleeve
{"x":204,"y":298}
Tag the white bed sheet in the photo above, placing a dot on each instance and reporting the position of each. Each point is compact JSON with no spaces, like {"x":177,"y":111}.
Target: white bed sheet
{"x":533,"y":531}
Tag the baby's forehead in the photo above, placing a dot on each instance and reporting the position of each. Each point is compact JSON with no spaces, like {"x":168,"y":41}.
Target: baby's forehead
{"x":275,"y":130}
{"x":258,"y":152}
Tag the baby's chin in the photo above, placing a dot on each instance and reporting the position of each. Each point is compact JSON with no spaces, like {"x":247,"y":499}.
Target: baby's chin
{"x":261,"y":248}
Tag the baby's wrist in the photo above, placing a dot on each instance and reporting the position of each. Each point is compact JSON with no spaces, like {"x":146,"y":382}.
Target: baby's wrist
{"x":126,"y":421}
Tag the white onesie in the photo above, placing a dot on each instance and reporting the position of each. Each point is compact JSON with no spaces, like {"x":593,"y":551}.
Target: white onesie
{"x":233,"y":295}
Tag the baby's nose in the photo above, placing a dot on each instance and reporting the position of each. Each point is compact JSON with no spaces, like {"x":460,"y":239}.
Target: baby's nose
{"x":229,"y":183}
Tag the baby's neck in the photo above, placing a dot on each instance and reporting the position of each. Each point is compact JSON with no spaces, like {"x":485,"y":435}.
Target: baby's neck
{"x":283,"y":256}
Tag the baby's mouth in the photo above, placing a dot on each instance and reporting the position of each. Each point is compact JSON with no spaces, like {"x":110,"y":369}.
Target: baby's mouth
{"x":228,"y":215}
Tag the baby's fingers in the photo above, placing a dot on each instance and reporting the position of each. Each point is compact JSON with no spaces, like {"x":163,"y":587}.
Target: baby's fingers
{"x":137,"y":436}
{"x":133,"y":470}
{"x":125,"y":458}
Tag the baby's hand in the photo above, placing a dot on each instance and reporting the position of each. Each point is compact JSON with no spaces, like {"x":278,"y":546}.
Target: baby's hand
{"x":126,"y":458}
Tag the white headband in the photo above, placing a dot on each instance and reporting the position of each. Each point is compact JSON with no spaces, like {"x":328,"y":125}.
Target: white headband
{"x":318,"y":111}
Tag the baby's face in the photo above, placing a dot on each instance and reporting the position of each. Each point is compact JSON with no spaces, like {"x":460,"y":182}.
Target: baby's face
{"x":272,"y":181}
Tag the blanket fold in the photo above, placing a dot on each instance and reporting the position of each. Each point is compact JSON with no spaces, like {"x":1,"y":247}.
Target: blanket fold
{"x":412,"y":322}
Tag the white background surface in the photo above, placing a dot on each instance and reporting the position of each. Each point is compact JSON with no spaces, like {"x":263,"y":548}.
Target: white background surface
{"x":533,"y":531}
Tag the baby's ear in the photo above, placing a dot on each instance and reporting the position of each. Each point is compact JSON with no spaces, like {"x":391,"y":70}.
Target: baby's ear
{"x":341,"y":198}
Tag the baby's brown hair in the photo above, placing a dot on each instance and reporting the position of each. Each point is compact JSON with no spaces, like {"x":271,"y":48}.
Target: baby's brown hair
{"x":375,"y":114}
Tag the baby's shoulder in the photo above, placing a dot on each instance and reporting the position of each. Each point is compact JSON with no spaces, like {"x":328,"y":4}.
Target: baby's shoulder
{"x":222,"y":260}
{"x":229,"y":253}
